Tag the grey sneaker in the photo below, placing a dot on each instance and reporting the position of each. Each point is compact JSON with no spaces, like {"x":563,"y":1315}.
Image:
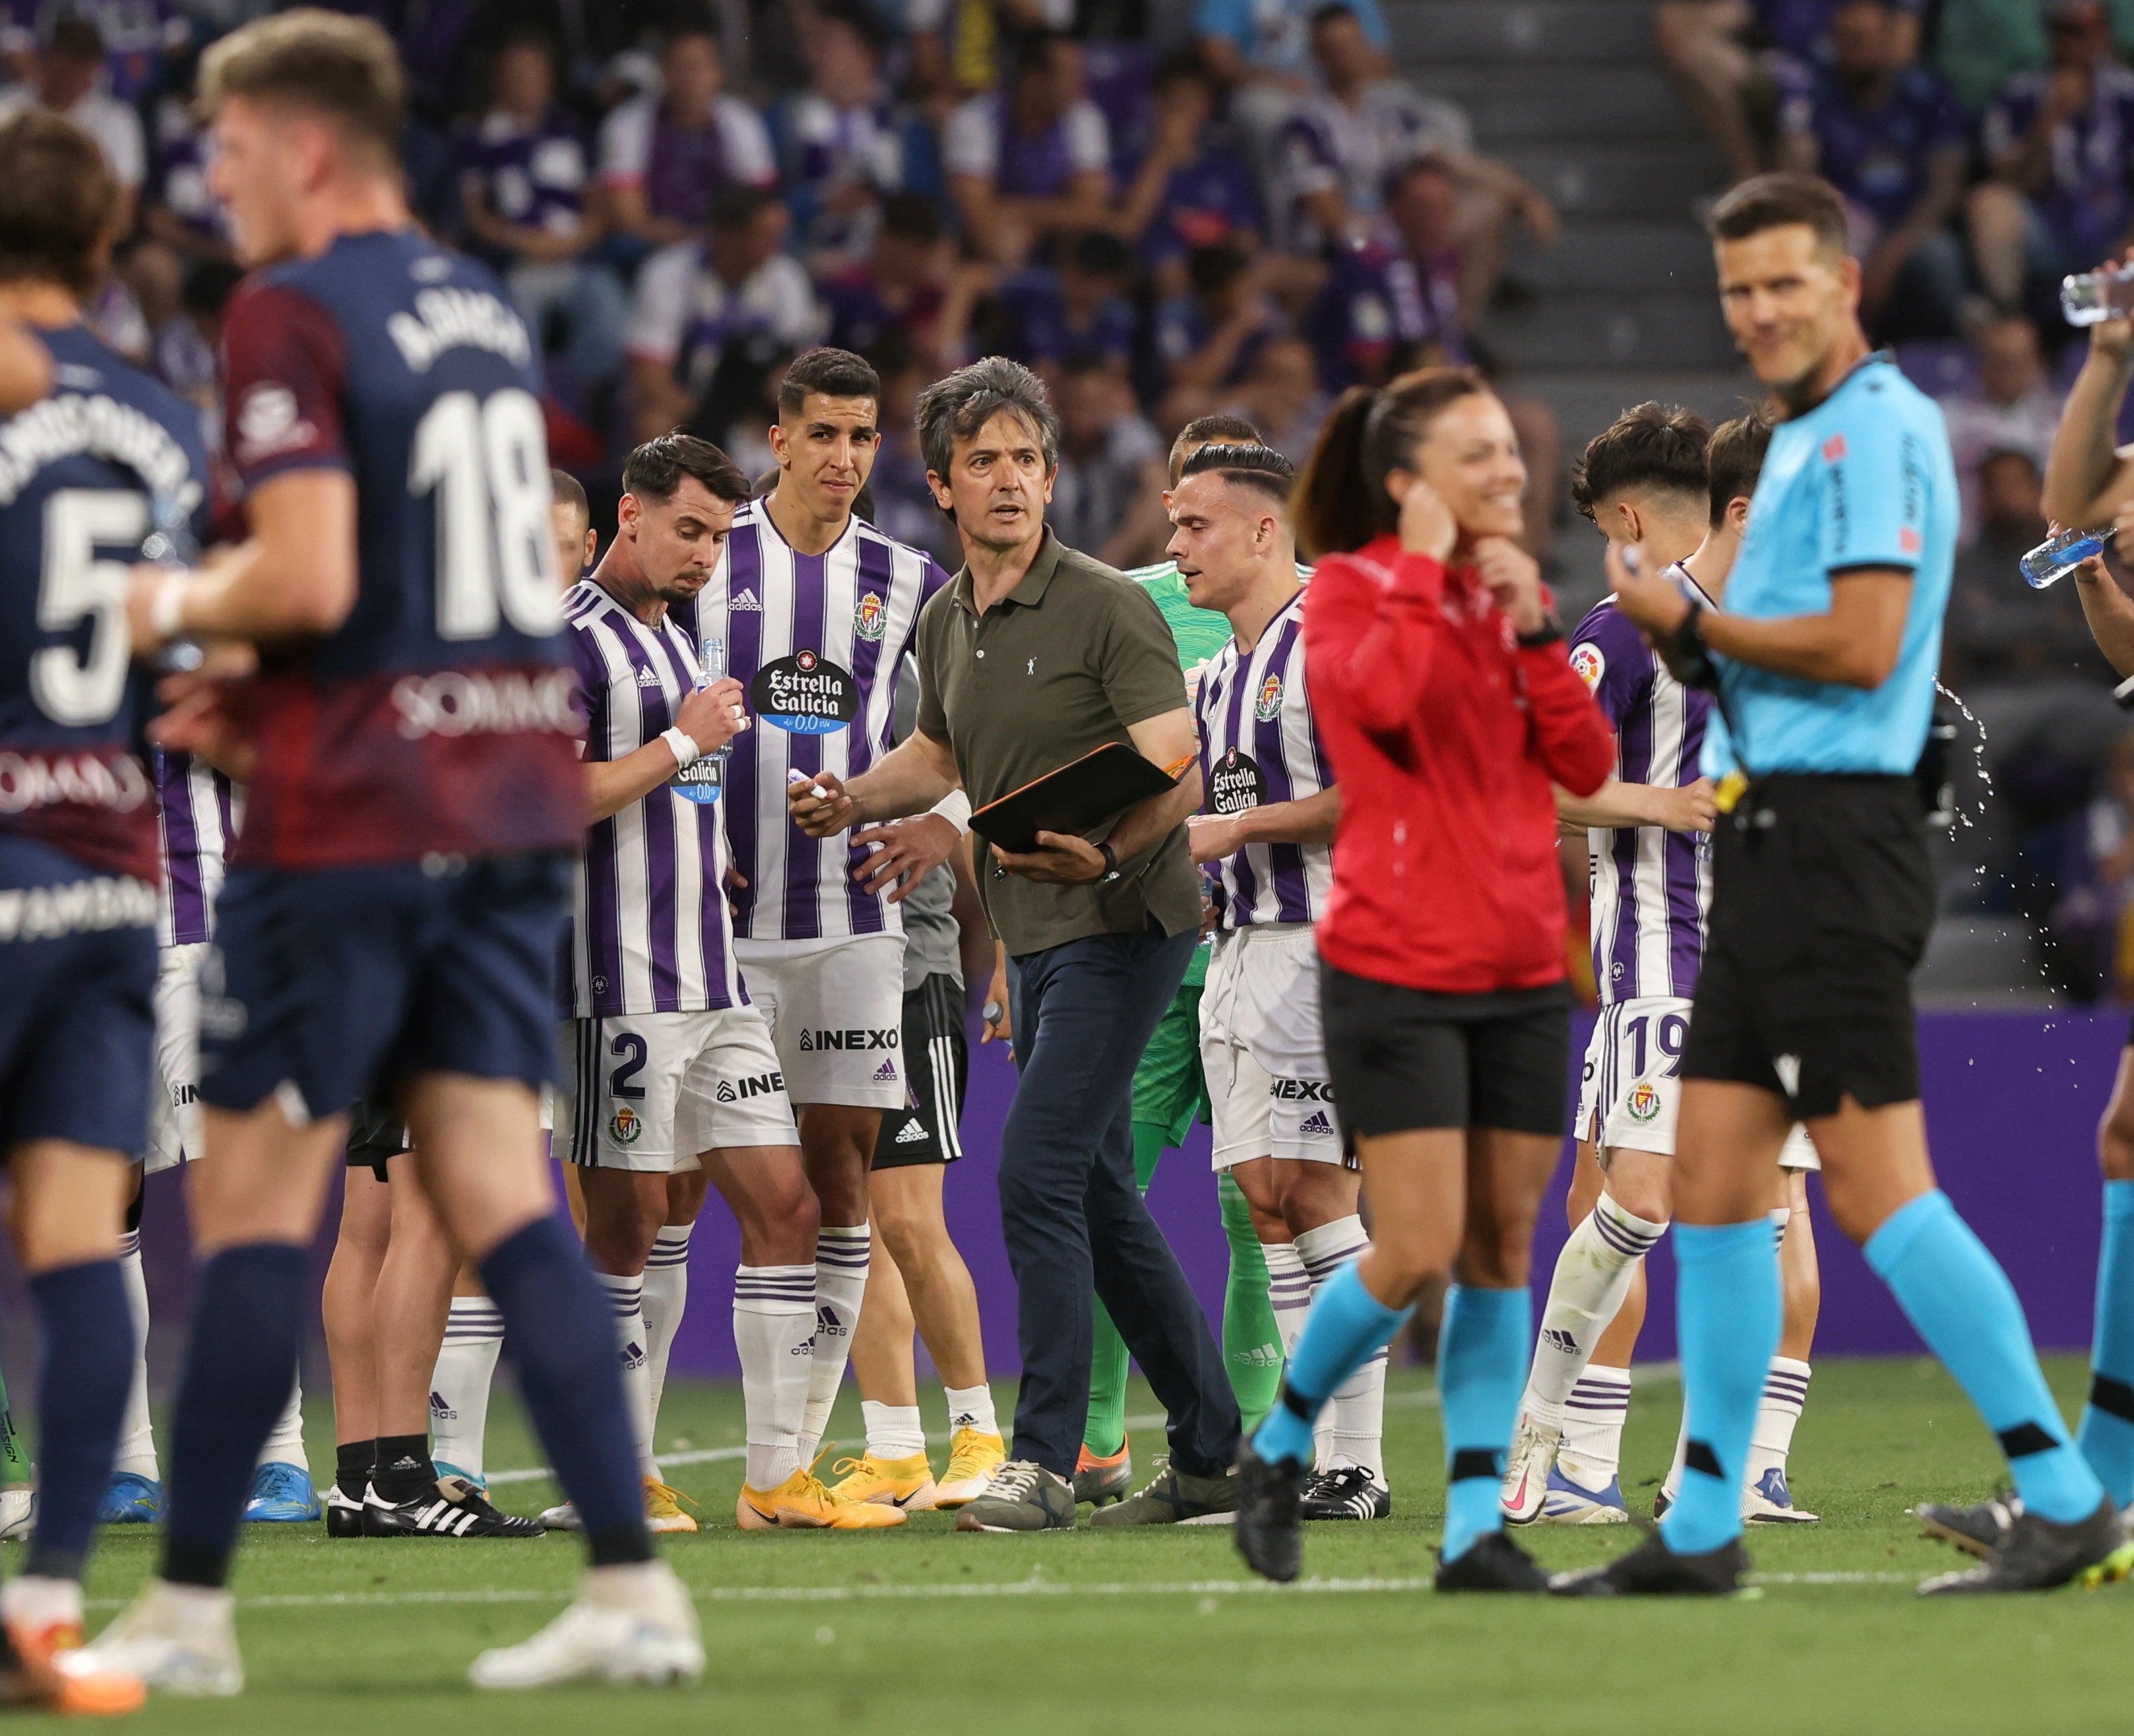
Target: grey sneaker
{"x":1172,"y":1497}
{"x":1022,"y":1496}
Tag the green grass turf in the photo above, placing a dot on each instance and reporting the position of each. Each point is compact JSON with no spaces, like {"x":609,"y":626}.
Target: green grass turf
{"x":922,"y":1630}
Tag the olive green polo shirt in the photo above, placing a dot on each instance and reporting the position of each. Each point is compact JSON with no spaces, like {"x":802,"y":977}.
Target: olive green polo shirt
{"x":1060,"y":666}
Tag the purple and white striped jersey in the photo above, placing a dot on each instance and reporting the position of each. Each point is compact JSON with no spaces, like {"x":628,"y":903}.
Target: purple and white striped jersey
{"x":1651,"y":886}
{"x":198,"y":812}
{"x":1258,"y":744}
{"x":650,"y":931}
{"x":815,"y":640}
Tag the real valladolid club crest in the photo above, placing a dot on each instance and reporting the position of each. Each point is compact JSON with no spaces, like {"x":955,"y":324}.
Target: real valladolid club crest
{"x":625,"y":1127}
{"x":1270,"y":700}
{"x":1644,"y":1101}
{"x":871,"y":616}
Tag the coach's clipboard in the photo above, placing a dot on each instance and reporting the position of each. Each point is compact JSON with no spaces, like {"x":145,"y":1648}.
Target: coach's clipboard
{"x":1078,"y":797}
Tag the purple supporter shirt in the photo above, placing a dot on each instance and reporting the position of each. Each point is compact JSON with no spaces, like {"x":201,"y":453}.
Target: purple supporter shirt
{"x":1206,"y":202}
{"x":1877,"y":158}
{"x":1044,"y":328}
{"x":2086,"y":202}
{"x":1651,"y":886}
{"x":533,"y":175}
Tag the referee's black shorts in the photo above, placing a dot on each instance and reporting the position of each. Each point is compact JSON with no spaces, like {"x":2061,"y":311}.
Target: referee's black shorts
{"x":1402,"y":1060}
{"x":936,"y":1065}
{"x":375,"y":1135}
{"x":1821,"y":901}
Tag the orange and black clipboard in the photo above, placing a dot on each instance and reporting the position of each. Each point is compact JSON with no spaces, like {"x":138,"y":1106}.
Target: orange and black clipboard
{"x":1077,"y":799}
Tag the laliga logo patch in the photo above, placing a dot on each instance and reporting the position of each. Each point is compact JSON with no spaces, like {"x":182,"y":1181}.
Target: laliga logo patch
{"x":871,"y":617}
{"x":1908,"y":540}
{"x":1236,"y":783}
{"x":805,"y":694}
{"x":1644,"y":1101}
{"x":625,"y":1127}
{"x":1588,"y":665}
{"x":1268,"y":705}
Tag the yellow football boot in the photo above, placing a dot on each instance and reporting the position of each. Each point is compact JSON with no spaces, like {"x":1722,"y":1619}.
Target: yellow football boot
{"x":904,"y":1483}
{"x":973,"y":1460}
{"x":804,"y":1502}
{"x":662,"y":1507}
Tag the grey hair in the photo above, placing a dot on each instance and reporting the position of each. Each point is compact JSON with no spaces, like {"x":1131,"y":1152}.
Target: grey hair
{"x":958,"y":405}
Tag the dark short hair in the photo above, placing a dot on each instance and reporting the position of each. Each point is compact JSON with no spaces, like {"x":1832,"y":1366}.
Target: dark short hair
{"x":1033,"y":51}
{"x":57,"y":196}
{"x":1209,"y":270}
{"x":736,"y":206}
{"x":342,"y":67}
{"x":1182,"y":63}
{"x":1775,"y":201}
{"x":1328,"y":13}
{"x":1101,"y":254}
{"x":566,"y":490}
{"x":1246,"y":466}
{"x":955,"y":407}
{"x":857,"y":19}
{"x":911,"y":217}
{"x":1736,"y":458}
{"x":1203,"y":430}
{"x":1341,"y":501}
{"x":655,"y":470}
{"x":208,"y":286}
{"x":75,"y":38}
{"x":833,"y":372}
{"x":1654,"y":445}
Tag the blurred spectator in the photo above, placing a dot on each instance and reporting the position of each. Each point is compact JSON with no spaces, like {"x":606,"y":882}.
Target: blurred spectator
{"x":1997,"y":627}
{"x":1208,"y":338}
{"x":1193,"y":188}
{"x":182,"y":223}
{"x":138,"y":38}
{"x":911,"y":285}
{"x":2056,"y":145}
{"x":2014,"y":408}
{"x":1980,"y":45}
{"x":905,"y":508}
{"x":1370,"y":311}
{"x":187,"y":347}
{"x":1886,"y":133}
{"x":2093,"y":920}
{"x":1422,"y":204}
{"x":523,"y":187}
{"x":1110,"y":459}
{"x":957,"y":45}
{"x":664,"y":157}
{"x":1282,"y":396}
{"x":1260,"y":51}
{"x":63,"y":78}
{"x":1033,"y":160}
{"x":1080,"y":311}
{"x":839,"y":141}
{"x":695,"y":299}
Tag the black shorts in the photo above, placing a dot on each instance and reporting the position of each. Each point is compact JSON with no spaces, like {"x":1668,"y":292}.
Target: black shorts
{"x":1823,"y":898}
{"x":936,"y":1065}
{"x":1403,"y":1059}
{"x":375,"y":1135}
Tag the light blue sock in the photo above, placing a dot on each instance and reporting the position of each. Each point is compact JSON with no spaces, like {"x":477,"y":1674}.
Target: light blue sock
{"x":1955,"y":1294}
{"x":1347,"y":1326}
{"x":1481,"y":1371}
{"x":1726,"y":1318}
{"x":2107,"y":1434}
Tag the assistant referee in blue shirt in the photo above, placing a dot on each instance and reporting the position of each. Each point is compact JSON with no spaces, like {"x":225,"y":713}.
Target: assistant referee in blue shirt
{"x":1823,"y":900}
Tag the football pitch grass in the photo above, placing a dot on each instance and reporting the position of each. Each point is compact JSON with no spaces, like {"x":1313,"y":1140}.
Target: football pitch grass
{"x":921,"y":1629}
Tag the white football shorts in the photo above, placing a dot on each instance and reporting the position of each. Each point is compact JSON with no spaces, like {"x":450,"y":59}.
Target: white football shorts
{"x":1262,"y":1048}
{"x":836,"y":1011}
{"x":649,"y":1091}
{"x":1629,"y":1092}
{"x":174,"y":1114}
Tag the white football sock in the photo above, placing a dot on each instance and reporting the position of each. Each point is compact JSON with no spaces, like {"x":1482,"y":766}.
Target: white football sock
{"x":627,"y":1297}
{"x":1289,"y":1291}
{"x":1592,"y":1276}
{"x":666,"y":1295}
{"x":286,"y":1445}
{"x":774,"y":1316}
{"x":971,"y":1407}
{"x":841,"y":1274}
{"x":137,"y":1437}
{"x":1593,"y":1417}
{"x":1356,"y":1412}
{"x":1781,"y":1216}
{"x":459,"y":1384}
{"x":1785,"y":1391}
{"x":1672,"y":1486}
{"x":893,"y":1431}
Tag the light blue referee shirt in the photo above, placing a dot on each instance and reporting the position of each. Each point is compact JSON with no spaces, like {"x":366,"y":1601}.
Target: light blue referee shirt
{"x":1864,"y":480}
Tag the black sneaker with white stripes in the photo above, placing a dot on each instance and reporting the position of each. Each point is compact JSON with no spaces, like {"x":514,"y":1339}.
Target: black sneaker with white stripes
{"x":344,"y":1513}
{"x":1351,"y":1492}
{"x":451,"y":1506}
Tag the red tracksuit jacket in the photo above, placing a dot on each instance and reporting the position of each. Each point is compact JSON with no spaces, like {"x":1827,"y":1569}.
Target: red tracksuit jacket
{"x":1445,"y":734}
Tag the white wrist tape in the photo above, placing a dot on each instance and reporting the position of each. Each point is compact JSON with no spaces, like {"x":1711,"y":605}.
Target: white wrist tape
{"x":954,"y":807}
{"x":685,"y":749}
{"x":167,"y":612}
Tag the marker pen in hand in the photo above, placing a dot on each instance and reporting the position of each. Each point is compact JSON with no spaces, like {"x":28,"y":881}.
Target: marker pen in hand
{"x":794,"y":775}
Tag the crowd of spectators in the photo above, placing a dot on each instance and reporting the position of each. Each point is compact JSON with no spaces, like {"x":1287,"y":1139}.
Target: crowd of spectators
{"x":1250,"y":214}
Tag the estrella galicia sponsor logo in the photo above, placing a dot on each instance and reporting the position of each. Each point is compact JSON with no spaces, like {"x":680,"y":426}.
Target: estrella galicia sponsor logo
{"x":1237,"y":783}
{"x":625,"y":1127}
{"x":805,"y":694}
{"x":872,"y":617}
{"x":1301,"y":1091}
{"x":1268,"y":706}
{"x":852,"y":1037}
{"x":756,"y":1085}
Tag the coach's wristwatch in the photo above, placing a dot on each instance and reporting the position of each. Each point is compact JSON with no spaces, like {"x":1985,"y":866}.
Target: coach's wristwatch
{"x":1111,"y":864}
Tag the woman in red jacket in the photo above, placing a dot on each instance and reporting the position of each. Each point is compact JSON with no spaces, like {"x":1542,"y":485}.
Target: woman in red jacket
{"x":1447,"y":706}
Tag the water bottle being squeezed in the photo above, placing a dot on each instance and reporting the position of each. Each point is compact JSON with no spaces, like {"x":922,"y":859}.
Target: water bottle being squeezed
{"x":2090,"y":298}
{"x":2054,"y":559}
{"x":702,"y":778}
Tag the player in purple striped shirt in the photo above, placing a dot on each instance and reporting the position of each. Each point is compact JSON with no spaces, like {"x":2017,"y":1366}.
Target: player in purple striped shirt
{"x":1659,"y":477}
{"x":1265,"y":849}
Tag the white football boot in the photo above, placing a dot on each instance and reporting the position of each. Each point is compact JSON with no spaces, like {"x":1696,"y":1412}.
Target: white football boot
{"x":176,"y":1639}
{"x":1535,"y":1443}
{"x":634,"y":1624}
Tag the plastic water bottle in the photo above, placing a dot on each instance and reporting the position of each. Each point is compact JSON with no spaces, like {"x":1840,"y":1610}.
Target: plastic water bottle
{"x":702,"y":778}
{"x":2053,"y":560}
{"x":2089,"y":298}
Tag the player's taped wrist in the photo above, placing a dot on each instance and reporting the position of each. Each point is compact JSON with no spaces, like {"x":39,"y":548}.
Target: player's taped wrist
{"x":683,"y":746}
{"x":954,"y":807}
{"x":1684,"y":652}
{"x":166,"y":609}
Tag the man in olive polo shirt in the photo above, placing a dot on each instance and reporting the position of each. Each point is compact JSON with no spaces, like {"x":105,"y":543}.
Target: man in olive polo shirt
{"x":1035,"y":656}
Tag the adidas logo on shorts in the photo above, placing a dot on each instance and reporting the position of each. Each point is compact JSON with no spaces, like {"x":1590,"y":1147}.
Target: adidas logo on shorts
{"x":744,"y":598}
{"x":886,"y":1074}
{"x":1316,"y":1125}
{"x":911,"y":1133}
